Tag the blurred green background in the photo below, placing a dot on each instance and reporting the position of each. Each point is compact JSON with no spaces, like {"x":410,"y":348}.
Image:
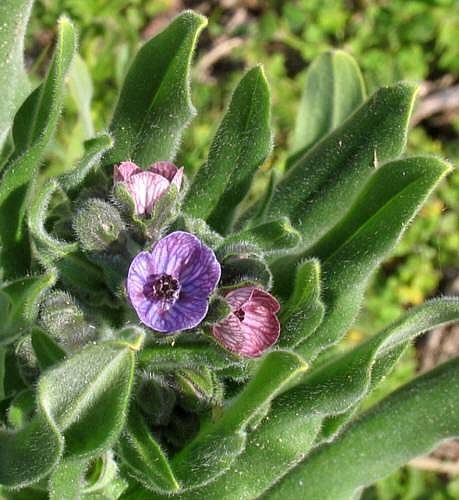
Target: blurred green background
{"x":390,"y":39}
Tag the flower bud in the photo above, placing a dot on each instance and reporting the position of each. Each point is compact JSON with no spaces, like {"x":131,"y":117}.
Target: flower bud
{"x":98,"y":225}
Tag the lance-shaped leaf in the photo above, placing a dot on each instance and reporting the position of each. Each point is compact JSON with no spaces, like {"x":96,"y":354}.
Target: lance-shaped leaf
{"x":271,"y":237}
{"x":67,"y":480}
{"x":47,"y":350}
{"x":155,"y":104}
{"x":240,"y":146}
{"x":352,"y":250}
{"x":144,"y":456}
{"x":333,"y":90}
{"x":166,"y":357}
{"x":283,"y":439}
{"x":88,"y":389}
{"x":375,"y":445}
{"x":93,"y":151}
{"x":34,"y":127}
{"x":81,"y":91}
{"x":24,"y":296}
{"x":218,"y":443}
{"x":48,"y":247}
{"x":304,"y":310}
{"x":319,"y":188}
{"x":14,"y":84}
{"x":363,"y":238}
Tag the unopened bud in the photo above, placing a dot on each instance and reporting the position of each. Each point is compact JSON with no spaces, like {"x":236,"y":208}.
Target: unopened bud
{"x":98,"y":225}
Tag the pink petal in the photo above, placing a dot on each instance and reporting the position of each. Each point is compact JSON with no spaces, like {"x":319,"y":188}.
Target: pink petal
{"x":265,"y":299}
{"x":251,"y":337}
{"x":164,"y":168}
{"x":238,"y":297}
{"x":123,"y":171}
{"x":177,"y":179}
{"x":146,"y":188}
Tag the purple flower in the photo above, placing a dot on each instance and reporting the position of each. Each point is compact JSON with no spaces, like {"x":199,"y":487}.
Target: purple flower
{"x":252,"y":326}
{"x":169,"y":287}
{"x":147,"y":186}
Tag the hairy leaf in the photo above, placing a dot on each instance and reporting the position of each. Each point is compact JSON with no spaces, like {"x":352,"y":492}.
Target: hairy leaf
{"x":91,"y":387}
{"x":94,"y":149}
{"x":389,"y":435}
{"x":333,"y":90}
{"x":34,"y":128}
{"x":218,"y":443}
{"x":240,"y":146}
{"x":146,"y":461}
{"x":155,"y":105}
{"x":318,"y":189}
{"x":304,"y":310}
{"x":25,"y":295}
{"x":14,"y":84}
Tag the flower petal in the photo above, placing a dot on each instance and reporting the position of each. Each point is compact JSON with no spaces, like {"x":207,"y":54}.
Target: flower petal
{"x":251,"y":337}
{"x":177,"y":179}
{"x":265,"y":299}
{"x":146,"y":188}
{"x":238,"y":297}
{"x":123,"y":171}
{"x":141,"y":268}
{"x":164,"y":168}
{"x":183,"y":256}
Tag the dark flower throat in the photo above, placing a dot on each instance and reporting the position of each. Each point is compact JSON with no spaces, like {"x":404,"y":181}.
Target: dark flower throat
{"x":162,"y":287}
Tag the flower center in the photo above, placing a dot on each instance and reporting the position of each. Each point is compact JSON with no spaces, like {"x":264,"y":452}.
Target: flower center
{"x":163,"y":286}
{"x":240,"y":314}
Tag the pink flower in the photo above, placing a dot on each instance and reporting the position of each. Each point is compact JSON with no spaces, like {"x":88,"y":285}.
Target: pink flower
{"x":147,"y":186}
{"x":252,"y":326}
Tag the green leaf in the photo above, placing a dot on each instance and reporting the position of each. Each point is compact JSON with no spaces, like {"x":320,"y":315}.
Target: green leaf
{"x":94,"y":149}
{"x":319,"y":188}
{"x":49,"y":247}
{"x":375,"y":445}
{"x":334,"y":89}
{"x":155,"y":105}
{"x":144,"y":457}
{"x":47,"y":350}
{"x":244,"y":270}
{"x":25,"y":295}
{"x":34,"y":128}
{"x":270,"y":237}
{"x":81,"y":90}
{"x":91,"y":387}
{"x":2,"y":373}
{"x":67,"y":480}
{"x":286,"y":436}
{"x":304,"y":311}
{"x":168,"y":357}
{"x":364,"y":237}
{"x":218,"y":443}
{"x":14,"y":84}
{"x":240,"y":146}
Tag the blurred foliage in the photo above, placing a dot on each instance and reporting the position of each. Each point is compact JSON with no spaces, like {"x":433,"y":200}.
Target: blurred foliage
{"x":391,"y":40}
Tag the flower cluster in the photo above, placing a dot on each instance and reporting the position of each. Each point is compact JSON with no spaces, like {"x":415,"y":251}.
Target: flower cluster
{"x":170,"y":285}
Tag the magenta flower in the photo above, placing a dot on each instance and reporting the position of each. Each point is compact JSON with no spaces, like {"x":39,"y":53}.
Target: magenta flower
{"x":169,"y":287}
{"x":147,"y":186}
{"x":252,"y":326}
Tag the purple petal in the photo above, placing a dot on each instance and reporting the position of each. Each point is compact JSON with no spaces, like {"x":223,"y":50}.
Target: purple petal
{"x":146,"y":188}
{"x":141,"y":268}
{"x":123,"y":171}
{"x":183,"y":256}
{"x":164,"y":168}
